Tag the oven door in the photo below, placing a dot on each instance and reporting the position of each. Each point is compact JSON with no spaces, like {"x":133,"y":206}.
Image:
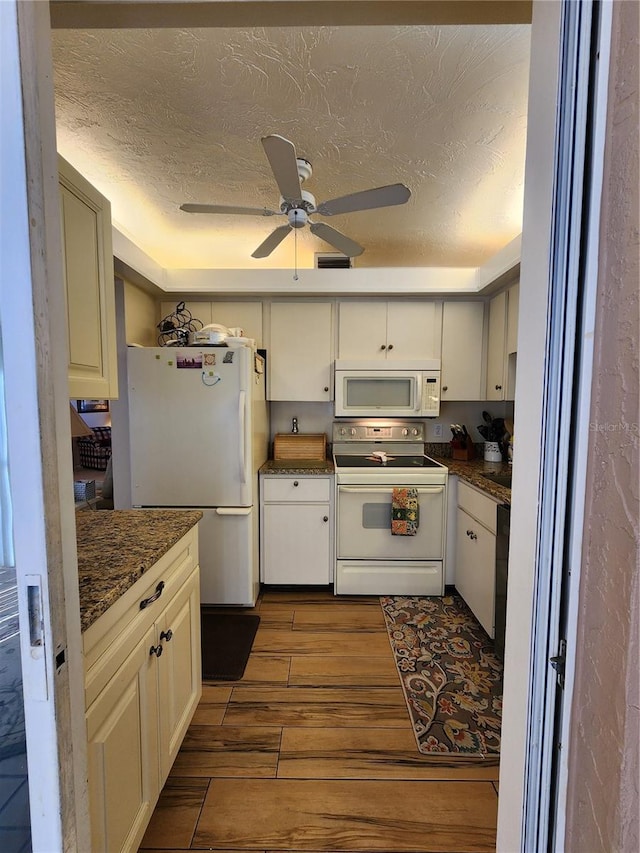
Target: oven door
{"x":364,"y":524}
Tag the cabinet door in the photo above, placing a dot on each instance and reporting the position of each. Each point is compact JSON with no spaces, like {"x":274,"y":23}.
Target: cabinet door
{"x":296,"y":544}
{"x":362,"y":330}
{"x":122,"y":747}
{"x":246,"y":315}
{"x":462,"y":339}
{"x":179,"y":669}
{"x":412,"y":330}
{"x":513,"y":300}
{"x":475,"y":568}
{"x":496,"y":347}
{"x":89,"y":287}
{"x":300,"y":351}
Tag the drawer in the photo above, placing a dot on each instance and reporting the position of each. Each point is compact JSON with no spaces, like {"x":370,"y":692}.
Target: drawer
{"x":299,"y":489}
{"x":481,"y":507}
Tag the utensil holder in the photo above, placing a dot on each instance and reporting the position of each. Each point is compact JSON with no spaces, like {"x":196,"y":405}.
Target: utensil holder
{"x":492,"y":452}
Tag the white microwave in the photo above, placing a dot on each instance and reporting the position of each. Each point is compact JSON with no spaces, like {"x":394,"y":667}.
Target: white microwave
{"x":394,"y":389}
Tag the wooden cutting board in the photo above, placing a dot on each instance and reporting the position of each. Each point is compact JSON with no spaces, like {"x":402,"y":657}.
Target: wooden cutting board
{"x":300,"y":446}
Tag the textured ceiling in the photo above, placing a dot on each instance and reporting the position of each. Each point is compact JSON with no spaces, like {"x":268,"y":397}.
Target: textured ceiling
{"x":155,"y":118}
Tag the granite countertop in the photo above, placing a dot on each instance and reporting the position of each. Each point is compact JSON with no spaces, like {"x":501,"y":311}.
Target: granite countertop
{"x":472,"y":471}
{"x":297,"y":467}
{"x":116,"y":547}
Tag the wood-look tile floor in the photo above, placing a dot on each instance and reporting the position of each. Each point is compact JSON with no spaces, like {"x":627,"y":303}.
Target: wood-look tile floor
{"x":312,"y":751}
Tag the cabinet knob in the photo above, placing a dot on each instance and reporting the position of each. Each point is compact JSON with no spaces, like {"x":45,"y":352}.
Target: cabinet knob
{"x":295,"y":482}
{"x":325,"y":518}
{"x":390,"y":346}
{"x":471,"y":534}
{"x":445,"y":387}
{"x":326,"y":387}
{"x":498,"y":387}
{"x":166,"y":635}
{"x":383,"y":346}
{"x":155,"y":650}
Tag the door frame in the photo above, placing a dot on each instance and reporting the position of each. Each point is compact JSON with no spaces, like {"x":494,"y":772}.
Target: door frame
{"x":33,"y":322}
{"x":535,"y":280}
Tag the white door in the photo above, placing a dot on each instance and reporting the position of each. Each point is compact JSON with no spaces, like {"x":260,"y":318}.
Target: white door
{"x":364,"y":525}
{"x":189,"y":427}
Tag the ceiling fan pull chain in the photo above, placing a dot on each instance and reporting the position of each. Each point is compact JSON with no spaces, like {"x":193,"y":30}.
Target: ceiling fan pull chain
{"x":295,"y":250}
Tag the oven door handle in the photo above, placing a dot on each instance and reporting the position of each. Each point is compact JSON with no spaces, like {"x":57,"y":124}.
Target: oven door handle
{"x":433,"y":490}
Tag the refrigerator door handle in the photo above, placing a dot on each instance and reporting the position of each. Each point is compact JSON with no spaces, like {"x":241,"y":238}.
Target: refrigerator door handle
{"x":242,"y":401}
{"x":233,"y":510}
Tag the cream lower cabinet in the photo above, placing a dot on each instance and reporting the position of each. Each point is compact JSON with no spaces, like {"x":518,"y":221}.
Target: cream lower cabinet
{"x":142,"y":686}
{"x":296,"y":530}
{"x":475,"y":575}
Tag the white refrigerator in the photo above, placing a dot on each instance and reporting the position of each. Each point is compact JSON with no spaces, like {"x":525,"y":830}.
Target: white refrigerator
{"x":198,"y":433}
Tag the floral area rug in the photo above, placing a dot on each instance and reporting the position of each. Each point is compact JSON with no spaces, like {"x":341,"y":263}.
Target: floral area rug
{"x":451,"y":678}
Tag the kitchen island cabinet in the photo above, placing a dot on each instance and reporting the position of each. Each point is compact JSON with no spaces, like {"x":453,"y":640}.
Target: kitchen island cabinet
{"x":296,"y":543}
{"x":388,"y":331}
{"x":87,"y":256}
{"x":300,"y":351}
{"x":141,"y":645}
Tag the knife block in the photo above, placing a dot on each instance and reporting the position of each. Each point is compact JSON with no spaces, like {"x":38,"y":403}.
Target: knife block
{"x":463,"y":454}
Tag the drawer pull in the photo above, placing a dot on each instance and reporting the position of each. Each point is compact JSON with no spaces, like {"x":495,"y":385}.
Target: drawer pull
{"x":295,"y":483}
{"x":166,"y":635}
{"x":471,"y":534}
{"x":156,"y":595}
{"x":155,"y":650}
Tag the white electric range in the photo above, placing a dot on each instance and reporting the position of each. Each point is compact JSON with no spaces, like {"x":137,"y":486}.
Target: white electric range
{"x":372,"y":459}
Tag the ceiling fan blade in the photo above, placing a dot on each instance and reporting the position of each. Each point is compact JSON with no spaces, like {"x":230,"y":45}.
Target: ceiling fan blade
{"x":366,"y":200}
{"x":274,"y":239}
{"x":336,"y":239}
{"x":224,"y":208}
{"x":282,"y":158}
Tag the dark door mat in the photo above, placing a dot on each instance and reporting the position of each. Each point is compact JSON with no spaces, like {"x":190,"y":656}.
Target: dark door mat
{"x":227,"y":639}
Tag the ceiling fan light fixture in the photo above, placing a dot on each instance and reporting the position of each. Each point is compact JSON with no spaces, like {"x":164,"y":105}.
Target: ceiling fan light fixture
{"x":297,"y":217}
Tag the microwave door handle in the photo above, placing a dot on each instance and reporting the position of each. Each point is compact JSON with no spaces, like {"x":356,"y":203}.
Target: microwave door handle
{"x":419,"y":392}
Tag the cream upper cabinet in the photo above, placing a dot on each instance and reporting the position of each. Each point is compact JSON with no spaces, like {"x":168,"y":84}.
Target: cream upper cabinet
{"x":462,"y":348}
{"x":244,"y":315}
{"x":496,"y":348}
{"x":389,"y":330}
{"x":513,"y":300}
{"x":89,"y":286}
{"x":300,"y":351}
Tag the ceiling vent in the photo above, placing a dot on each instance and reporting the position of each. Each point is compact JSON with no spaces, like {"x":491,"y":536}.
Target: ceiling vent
{"x":332,"y":261}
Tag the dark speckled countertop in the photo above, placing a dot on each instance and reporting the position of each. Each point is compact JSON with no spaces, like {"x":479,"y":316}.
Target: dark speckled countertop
{"x":116,"y":547}
{"x":472,"y":471}
{"x":297,"y":467}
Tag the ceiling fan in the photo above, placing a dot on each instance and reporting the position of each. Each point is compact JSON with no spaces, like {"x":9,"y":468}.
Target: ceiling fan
{"x":297,"y":204}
